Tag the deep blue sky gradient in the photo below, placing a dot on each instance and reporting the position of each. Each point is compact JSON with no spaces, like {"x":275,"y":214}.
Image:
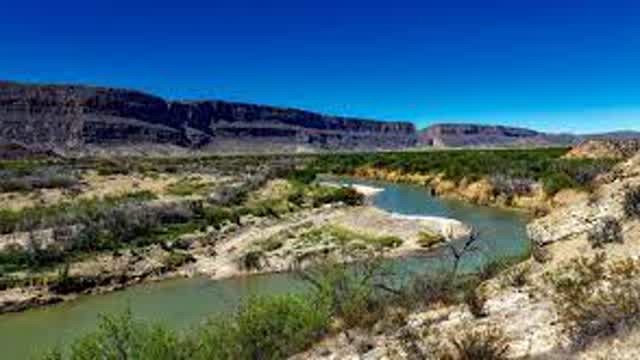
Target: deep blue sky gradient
{"x":552,"y":65}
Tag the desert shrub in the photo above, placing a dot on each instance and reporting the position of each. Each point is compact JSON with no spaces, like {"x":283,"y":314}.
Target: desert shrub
{"x":267,"y":208}
{"x":387,"y":241}
{"x":632,"y":203}
{"x":279,"y":326}
{"x":238,"y":194}
{"x":345,"y":195}
{"x":510,"y":186}
{"x":36,"y":254}
{"x":64,"y":283}
{"x":555,"y":182}
{"x":48,"y":177}
{"x":100,"y":229}
{"x":217,"y":216}
{"x":475,"y":300}
{"x":114,"y":167}
{"x":352,"y":292}
{"x":428,"y":239}
{"x":176,"y":259}
{"x":579,"y":275}
{"x":119,"y":336}
{"x":584,"y":171}
{"x":252,"y":260}
{"x":303,"y":176}
{"x":67,"y":213}
{"x":540,"y":254}
{"x":272,"y":243}
{"x":595,"y":298}
{"x":9,"y":282}
{"x":128,"y":224}
{"x":187,"y":186}
{"x":517,"y":276}
{"x":263,"y":328}
{"x":297,"y":198}
{"x":484,"y":343}
{"x":606,"y":230}
{"x":171,"y":233}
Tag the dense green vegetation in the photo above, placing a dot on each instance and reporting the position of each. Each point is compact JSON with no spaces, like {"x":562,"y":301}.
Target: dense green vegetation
{"x":32,"y":218}
{"x":262,"y":328}
{"x":544,"y":165}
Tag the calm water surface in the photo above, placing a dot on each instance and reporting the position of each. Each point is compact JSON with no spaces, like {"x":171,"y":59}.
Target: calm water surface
{"x":182,"y":303}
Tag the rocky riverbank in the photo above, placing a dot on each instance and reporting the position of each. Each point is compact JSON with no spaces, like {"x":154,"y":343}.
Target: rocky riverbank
{"x":527,"y":196}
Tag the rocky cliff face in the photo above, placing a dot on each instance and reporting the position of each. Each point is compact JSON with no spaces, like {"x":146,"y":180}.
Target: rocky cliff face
{"x":469,"y":135}
{"x":476,"y":135}
{"x":74,"y":117}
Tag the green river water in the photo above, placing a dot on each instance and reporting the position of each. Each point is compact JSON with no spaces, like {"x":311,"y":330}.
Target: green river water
{"x":185,"y":302}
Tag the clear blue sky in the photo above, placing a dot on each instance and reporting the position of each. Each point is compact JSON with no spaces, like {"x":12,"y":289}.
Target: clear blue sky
{"x":548,"y":64}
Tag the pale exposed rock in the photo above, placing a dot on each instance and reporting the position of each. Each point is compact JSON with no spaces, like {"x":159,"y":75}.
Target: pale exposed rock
{"x":582,"y":216}
{"x":605,"y":148}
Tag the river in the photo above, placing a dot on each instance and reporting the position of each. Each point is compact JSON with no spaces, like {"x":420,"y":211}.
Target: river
{"x":185,"y":302}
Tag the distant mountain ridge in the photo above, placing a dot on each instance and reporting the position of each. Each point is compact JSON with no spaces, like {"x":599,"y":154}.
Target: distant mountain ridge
{"x":67,"y":117}
{"x":476,"y":135}
{"x":39,"y":119}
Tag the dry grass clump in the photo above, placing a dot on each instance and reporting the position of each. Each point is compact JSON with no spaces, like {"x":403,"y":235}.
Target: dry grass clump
{"x":607,"y":230}
{"x":596,"y":298}
{"x":483,"y":343}
{"x":517,"y":276}
{"x":540,"y":254}
{"x":475,"y":299}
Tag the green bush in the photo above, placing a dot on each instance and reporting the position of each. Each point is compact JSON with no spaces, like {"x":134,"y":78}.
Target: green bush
{"x":278,"y":327}
{"x":304,"y":176}
{"x":353,"y":292}
{"x":388,"y":241}
{"x":120,"y":337}
{"x":345,"y":195}
{"x":555,"y":182}
{"x":428,"y":239}
{"x":262,"y":328}
{"x":217,"y":216}
{"x":188,"y":186}
{"x":176,"y":259}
